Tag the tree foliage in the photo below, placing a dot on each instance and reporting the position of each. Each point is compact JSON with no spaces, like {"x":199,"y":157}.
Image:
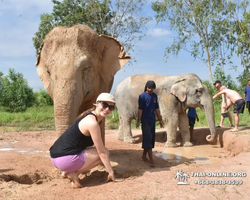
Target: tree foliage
{"x":241,"y":32}
{"x":118,"y":18}
{"x":243,"y":79}
{"x":212,"y":90}
{"x":16,"y":95}
{"x":225,"y":79}
{"x":42,"y":98}
{"x":128,"y":21}
{"x":71,"y":12}
{"x":205,"y":29}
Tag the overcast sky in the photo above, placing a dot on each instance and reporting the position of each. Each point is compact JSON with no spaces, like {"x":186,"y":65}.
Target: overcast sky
{"x":19,"y":20}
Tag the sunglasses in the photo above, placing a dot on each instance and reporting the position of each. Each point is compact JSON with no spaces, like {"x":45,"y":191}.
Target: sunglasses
{"x":105,"y":105}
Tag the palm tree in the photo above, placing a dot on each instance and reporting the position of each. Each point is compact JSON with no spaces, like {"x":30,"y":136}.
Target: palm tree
{"x":179,"y":175}
{"x":185,"y":177}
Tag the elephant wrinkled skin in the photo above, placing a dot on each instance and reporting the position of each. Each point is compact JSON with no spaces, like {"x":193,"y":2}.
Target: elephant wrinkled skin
{"x":175,"y":95}
{"x":75,"y":65}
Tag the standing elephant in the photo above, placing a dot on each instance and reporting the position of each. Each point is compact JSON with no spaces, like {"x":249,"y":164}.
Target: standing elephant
{"x":175,"y":95}
{"x":75,"y":65}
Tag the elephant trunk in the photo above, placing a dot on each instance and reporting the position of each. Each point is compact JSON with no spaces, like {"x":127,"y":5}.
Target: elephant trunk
{"x":64,"y":116}
{"x":211,"y":123}
{"x":67,"y":100}
{"x":209,"y":110}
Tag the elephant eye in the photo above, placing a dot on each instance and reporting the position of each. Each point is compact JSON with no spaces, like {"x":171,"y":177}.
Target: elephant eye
{"x":198,"y":92}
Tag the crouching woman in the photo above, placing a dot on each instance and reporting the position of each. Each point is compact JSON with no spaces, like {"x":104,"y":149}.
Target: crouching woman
{"x":73,"y":151}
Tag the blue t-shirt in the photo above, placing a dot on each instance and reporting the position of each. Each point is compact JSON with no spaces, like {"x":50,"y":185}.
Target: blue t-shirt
{"x":247,"y":92}
{"x":148,"y":103}
{"x":191,"y":112}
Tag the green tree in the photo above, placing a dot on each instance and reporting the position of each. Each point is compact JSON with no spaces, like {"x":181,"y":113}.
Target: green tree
{"x":225,"y":80}
{"x":45,"y":26}
{"x":128,"y":21}
{"x":1,"y":86}
{"x":243,"y":79}
{"x":203,"y":29}
{"x":121,"y":19}
{"x":242,"y":37}
{"x":212,"y":90}
{"x":16,"y":94}
{"x":67,"y":13}
{"x":42,"y":98}
{"x":240,"y":34}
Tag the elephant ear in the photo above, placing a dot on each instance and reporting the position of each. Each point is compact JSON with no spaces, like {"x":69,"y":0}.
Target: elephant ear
{"x":113,"y":56}
{"x":179,"y":90}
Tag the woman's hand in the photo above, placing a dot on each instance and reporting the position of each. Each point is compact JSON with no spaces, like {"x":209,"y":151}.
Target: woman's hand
{"x":111,"y":177}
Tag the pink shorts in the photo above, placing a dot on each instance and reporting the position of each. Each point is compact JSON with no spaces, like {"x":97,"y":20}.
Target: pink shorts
{"x":70,"y":163}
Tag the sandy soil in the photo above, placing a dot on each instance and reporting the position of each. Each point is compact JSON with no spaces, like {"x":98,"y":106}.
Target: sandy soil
{"x":27,"y":173}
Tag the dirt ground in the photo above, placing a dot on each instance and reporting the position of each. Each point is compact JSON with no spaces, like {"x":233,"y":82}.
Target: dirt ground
{"x":27,"y":173}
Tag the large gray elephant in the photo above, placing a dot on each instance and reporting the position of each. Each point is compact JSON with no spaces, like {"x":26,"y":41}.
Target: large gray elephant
{"x":175,"y":95}
{"x":75,"y":65}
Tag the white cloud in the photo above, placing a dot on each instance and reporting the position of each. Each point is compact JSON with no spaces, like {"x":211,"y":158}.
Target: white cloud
{"x":158,"y":32}
{"x":22,"y":6}
{"x":19,"y":22}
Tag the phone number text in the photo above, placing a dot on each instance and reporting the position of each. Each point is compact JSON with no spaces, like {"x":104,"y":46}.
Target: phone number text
{"x":219,"y":182}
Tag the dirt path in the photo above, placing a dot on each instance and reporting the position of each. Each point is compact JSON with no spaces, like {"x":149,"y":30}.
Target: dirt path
{"x":27,"y":173}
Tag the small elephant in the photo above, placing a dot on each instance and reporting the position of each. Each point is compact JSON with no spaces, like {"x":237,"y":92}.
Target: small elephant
{"x":175,"y":95}
{"x":75,"y":65}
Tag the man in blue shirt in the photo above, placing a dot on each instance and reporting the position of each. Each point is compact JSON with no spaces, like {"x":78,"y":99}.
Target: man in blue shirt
{"x":192,"y":115}
{"x":148,"y":107}
{"x":247,"y":96}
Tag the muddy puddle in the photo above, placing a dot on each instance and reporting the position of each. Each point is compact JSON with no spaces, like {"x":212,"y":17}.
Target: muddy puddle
{"x":201,"y":154}
{"x":14,"y":147}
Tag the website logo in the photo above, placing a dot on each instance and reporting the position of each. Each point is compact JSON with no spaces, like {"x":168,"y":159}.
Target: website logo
{"x":182,"y":177}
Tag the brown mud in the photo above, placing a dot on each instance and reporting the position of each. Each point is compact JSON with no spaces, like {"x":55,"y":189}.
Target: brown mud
{"x":27,"y":173}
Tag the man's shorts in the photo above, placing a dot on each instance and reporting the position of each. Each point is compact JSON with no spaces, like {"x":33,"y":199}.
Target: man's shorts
{"x":239,"y":106}
{"x":191,"y":121}
{"x":70,"y":163}
{"x":247,"y":104}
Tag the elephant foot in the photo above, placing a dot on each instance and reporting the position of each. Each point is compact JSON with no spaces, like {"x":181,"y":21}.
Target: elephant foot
{"x":120,"y":137}
{"x":170,"y":145}
{"x":187,"y":144}
{"x":129,"y":140}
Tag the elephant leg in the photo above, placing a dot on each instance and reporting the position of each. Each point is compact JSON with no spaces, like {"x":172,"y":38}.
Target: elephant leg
{"x":127,"y":131}
{"x":121,"y":128}
{"x":171,"y":131}
{"x":184,"y":129}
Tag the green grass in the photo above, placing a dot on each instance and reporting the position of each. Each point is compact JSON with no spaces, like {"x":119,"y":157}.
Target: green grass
{"x":42,"y":118}
{"x":244,"y":118}
{"x":113,"y":120}
{"x":33,"y":119}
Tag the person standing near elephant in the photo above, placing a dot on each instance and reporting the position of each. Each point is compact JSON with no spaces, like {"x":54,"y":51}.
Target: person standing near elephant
{"x":239,"y":104}
{"x":73,"y":151}
{"x":247,"y":96}
{"x":224,"y":103}
{"x":148,"y":107}
{"x":192,"y":116}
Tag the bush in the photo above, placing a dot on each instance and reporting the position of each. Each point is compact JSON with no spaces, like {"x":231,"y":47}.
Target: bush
{"x":113,"y":120}
{"x":42,"y":98}
{"x":16,"y":95}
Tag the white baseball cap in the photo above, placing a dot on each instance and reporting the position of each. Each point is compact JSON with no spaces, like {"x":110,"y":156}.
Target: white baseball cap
{"x":106,"y":97}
